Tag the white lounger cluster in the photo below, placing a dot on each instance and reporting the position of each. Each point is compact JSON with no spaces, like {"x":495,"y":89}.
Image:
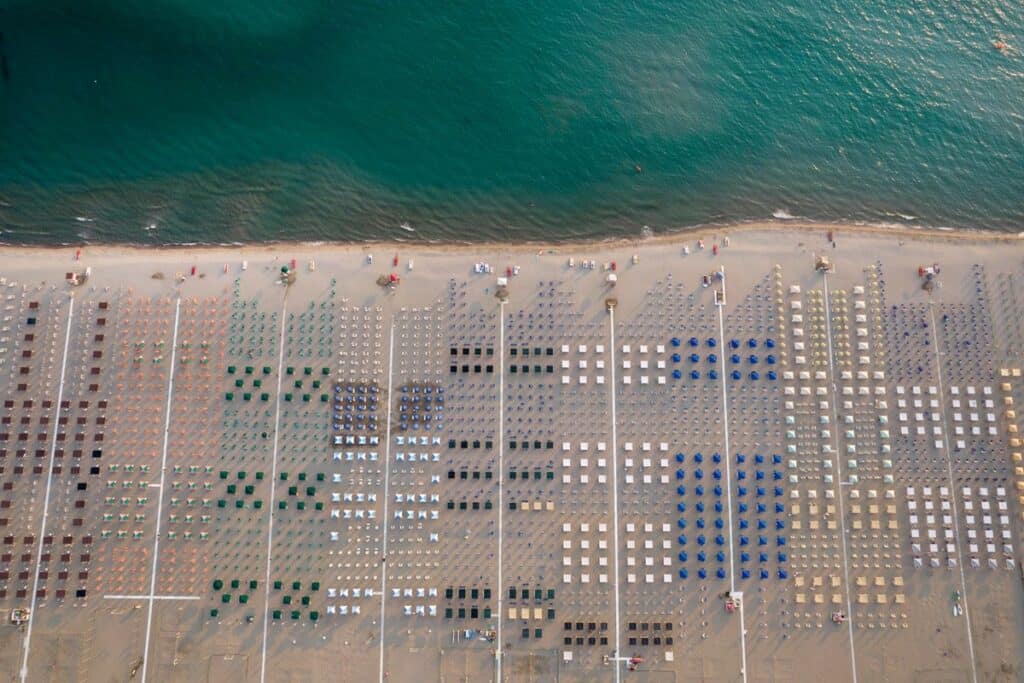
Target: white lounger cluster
{"x":588,"y":553}
{"x":354,"y":498}
{"x":344,"y":609}
{"x":582,"y":365}
{"x":356,"y":440}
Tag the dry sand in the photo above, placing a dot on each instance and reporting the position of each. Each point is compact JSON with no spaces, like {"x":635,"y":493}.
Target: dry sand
{"x":605,"y":532}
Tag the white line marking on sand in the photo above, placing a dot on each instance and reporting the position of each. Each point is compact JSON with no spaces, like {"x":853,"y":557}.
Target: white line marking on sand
{"x":728,"y":476}
{"x":46,"y":496}
{"x":952,"y":490}
{"x":160,"y":496}
{"x":615,"y":499}
{"x":501,"y":475}
{"x":273,"y":488}
{"x":387,"y":484}
{"x":839,"y":473}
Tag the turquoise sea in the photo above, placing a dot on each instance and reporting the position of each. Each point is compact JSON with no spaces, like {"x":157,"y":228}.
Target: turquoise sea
{"x":176,"y":121}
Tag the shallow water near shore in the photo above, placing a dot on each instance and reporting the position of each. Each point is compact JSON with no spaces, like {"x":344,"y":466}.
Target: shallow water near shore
{"x":179,"y":122}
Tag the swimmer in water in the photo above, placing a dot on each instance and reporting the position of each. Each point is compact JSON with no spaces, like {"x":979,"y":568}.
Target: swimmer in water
{"x":638,"y":168}
{"x":999,"y":45}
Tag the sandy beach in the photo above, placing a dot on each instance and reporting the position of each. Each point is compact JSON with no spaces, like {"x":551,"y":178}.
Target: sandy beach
{"x":703,"y":456}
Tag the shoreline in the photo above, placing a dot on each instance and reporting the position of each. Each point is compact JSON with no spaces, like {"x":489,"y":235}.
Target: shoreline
{"x":846,"y":343}
{"x":668,"y":238}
